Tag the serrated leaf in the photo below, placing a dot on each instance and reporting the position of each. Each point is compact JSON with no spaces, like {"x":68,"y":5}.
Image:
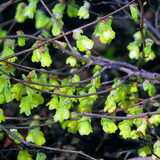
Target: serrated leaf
{"x":148,"y":86}
{"x":72,"y":10}
{"x":20,"y":17}
{"x":84,"y":127}
{"x":125,"y":128}
{"x":56,"y":30}
{"x":155,"y":120}
{"x":58,"y":10}
{"x":144,"y":151}
{"x":41,"y":19}
{"x":134,"y":12}
{"x":72,"y":61}
{"x":83,"y":12}
{"x":21,"y":40}
{"x":84,"y":43}
{"x":24,"y":155}
{"x":108,"y":125}
{"x":53,"y":103}
{"x":62,"y":113}
{"x":2,"y":117}
{"x":36,"y":136}
{"x":156,"y":149}
{"x":15,"y":132}
{"x":41,"y":156}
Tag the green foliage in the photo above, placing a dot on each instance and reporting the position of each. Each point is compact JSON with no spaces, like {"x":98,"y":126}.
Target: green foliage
{"x":41,"y":19}
{"x":72,"y":9}
{"x":58,"y":10}
{"x":24,"y":155}
{"x":109,"y":125}
{"x":42,"y":55}
{"x":41,"y":156}
{"x":72,"y":61}
{"x":56,"y":28}
{"x":2,"y":117}
{"x":144,"y":151}
{"x":20,"y":16}
{"x":155,"y":120}
{"x":84,"y":126}
{"x":84,"y":43}
{"x":31,"y":8}
{"x":134,"y":12}
{"x":15,"y":132}
{"x":83,"y":12}
{"x":21,"y":40}
{"x":8,"y":50}
{"x":148,"y":86}
{"x":104,"y":31}
{"x":156,"y":149}
{"x":35,"y":135}
{"x":2,"y":33}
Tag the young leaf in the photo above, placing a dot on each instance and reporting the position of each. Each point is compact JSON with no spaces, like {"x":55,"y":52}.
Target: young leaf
{"x":104,"y":31}
{"x":133,"y":50}
{"x":84,"y":43}
{"x":2,"y":117}
{"x":21,"y":40}
{"x":41,"y":156}
{"x":53,"y":103}
{"x":24,"y":155}
{"x":20,"y":17}
{"x":2,"y":34}
{"x":30,"y":9}
{"x":134,"y":12}
{"x":41,"y":19}
{"x":84,"y":126}
{"x":108,"y":125}
{"x":72,"y":9}
{"x":72,"y":61}
{"x":83,"y":12}
{"x":15,"y":132}
{"x":36,"y":136}
{"x":42,"y":55}
{"x":147,"y":85}
{"x":156,"y":149}
{"x":62,"y":113}
{"x":144,"y":151}
{"x":155,"y":120}
{"x":56,"y":30}
{"x":58,"y":10}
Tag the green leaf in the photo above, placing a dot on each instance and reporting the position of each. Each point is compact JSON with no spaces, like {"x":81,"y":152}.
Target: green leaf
{"x":72,"y":61}
{"x":21,"y":40}
{"x":104,"y":31}
{"x":41,"y":19}
{"x":134,"y":12}
{"x":56,"y":30}
{"x":17,"y":91}
{"x":2,"y":99}
{"x":58,"y":10}
{"x":125,"y":128}
{"x":2,"y":34}
{"x":148,"y":86}
{"x":30,"y":9}
{"x":36,"y":136}
{"x":62,"y":113}
{"x":84,"y":126}
{"x":2,"y":117}
{"x":15,"y":132}
{"x":134,"y":52}
{"x":144,"y":151}
{"x":84,"y":43}
{"x":53,"y":103}
{"x":24,"y":155}
{"x":155,"y":120}
{"x":156,"y":149}
{"x":41,"y":156}
{"x":42,"y":55}
{"x":20,"y":17}
{"x":75,"y":78}
{"x":108,"y":125}
{"x":83,"y":12}
{"x":72,"y":9}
